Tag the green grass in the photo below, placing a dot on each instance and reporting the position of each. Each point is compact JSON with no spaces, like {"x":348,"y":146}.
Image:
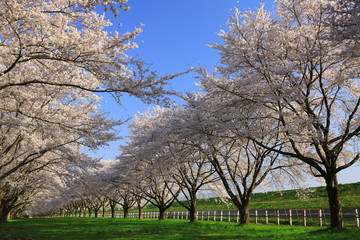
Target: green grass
{"x":107,"y":228}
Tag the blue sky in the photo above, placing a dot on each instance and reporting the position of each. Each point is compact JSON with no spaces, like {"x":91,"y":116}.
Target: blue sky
{"x":175,"y":36}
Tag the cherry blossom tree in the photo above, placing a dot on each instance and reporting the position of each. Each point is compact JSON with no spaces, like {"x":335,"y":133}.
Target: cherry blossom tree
{"x":65,"y":43}
{"x":187,"y":139}
{"x":192,"y":176}
{"x":151,"y":180}
{"x":22,"y":191}
{"x":283,"y":67}
{"x":240,"y":163}
{"x":54,"y":57}
{"x":129,"y":193}
{"x":154,"y":139}
{"x":344,"y":20}
{"x":120,"y":194}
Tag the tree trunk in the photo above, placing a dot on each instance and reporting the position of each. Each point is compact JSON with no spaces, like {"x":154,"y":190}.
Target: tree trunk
{"x":192,"y":210}
{"x":96,"y":211}
{"x":112,"y":205}
{"x":139,"y":207}
{"x":112,"y":211}
{"x":140,"y":214}
{"x":103,"y":210}
{"x":90,"y":211}
{"x":126,"y":212}
{"x":5,"y":213}
{"x":162,"y":213}
{"x":244,"y":213}
{"x":333,"y":190}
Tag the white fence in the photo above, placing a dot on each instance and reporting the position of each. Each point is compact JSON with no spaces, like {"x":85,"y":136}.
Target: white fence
{"x":305,"y":217}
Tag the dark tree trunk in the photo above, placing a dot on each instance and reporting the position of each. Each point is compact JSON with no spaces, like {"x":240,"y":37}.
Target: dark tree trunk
{"x":96,"y":211}
{"x":333,"y":190}
{"x":192,"y":210}
{"x":162,"y":213}
{"x":140,"y":207}
{"x":112,"y":205}
{"x":90,"y":212}
{"x":126,"y":212}
{"x":244,"y":213}
{"x":140,"y":214}
{"x":112,"y":211}
{"x":5,"y":213}
{"x":103,"y":210}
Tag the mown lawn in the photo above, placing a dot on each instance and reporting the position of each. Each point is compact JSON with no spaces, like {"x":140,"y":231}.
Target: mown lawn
{"x":107,"y":228}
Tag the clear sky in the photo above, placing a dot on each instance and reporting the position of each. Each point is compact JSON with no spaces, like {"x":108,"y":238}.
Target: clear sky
{"x":175,"y":36}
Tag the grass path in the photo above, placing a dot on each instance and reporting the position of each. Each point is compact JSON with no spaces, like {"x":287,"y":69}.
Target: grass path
{"x":107,"y":228}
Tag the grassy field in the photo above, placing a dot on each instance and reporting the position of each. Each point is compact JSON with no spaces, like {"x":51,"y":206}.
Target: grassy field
{"x":287,"y":199}
{"x":107,"y":228}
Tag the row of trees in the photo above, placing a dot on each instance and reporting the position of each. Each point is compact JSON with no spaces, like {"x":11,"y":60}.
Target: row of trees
{"x":54,"y":57}
{"x":283,"y":102}
{"x":285,"y":97}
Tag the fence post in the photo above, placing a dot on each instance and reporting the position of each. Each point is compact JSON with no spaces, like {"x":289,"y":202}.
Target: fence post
{"x":221,"y":216}
{"x":256,"y":216}
{"x":266,"y":217}
{"x":229,"y":216}
{"x":214,"y":215}
{"x":237,"y":216}
{"x":304,"y":217}
{"x":357,"y":218}
{"x":290,"y":217}
{"x":320,"y":218}
{"x":278,"y":217}
{"x":208,"y":215}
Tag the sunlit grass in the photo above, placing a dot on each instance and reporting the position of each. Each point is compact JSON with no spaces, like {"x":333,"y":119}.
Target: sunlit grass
{"x":107,"y":228}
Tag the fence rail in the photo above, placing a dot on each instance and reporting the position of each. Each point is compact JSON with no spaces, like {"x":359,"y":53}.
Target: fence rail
{"x":305,"y":217}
